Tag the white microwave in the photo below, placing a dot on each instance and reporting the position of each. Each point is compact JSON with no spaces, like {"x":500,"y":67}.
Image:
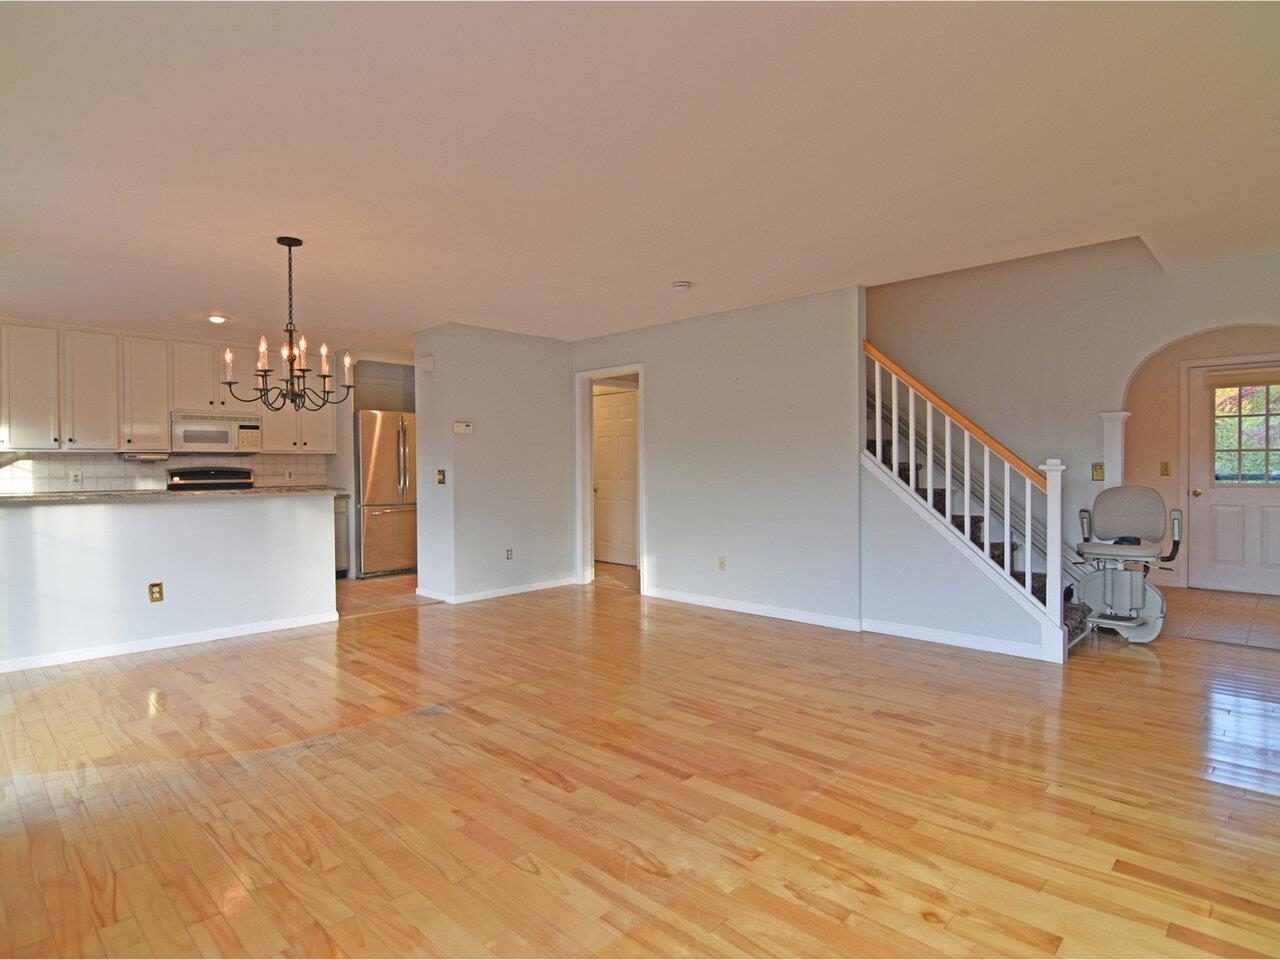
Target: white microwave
{"x":216,"y":432}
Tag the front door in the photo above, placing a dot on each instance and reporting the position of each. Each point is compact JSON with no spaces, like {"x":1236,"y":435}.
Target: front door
{"x":1233,"y":528}
{"x":614,"y":464}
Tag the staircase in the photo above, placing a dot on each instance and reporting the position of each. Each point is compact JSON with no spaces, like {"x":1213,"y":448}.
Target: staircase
{"x":1004,"y":510}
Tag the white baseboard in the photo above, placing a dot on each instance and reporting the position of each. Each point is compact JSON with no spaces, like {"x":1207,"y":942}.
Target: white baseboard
{"x":500,"y":592}
{"x":966,"y":640}
{"x":758,"y":609}
{"x":161,"y":643}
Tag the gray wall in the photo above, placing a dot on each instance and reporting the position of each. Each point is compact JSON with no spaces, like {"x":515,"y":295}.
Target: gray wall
{"x":510,"y":482}
{"x":1034,"y":349}
{"x":916,"y":583}
{"x":750,"y":426}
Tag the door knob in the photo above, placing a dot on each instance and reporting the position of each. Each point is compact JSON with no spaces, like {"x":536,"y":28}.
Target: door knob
{"x":1197,"y":492}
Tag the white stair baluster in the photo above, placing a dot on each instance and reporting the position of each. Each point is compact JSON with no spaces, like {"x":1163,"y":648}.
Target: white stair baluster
{"x":1008,"y":523}
{"x":928,"y":458}
{"x":986,"y":501}
{"x":893,"y":426}
{"x":1026,"y":537}
{"x":968,"y":489}
{"x":946,"y":423}
{"x":911,"y":438}
{"x":879,"y":415}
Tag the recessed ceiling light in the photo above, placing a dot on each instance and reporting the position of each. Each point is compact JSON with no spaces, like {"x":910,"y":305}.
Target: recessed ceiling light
{"x":217,"y":318}
{"x":682,"y":286}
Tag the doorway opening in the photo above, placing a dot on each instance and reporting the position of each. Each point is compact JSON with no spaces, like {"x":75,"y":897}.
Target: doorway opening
{"x":610,"y":549}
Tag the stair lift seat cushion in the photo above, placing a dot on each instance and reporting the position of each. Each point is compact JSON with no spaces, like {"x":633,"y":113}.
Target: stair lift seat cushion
{"x":1126,"y":512}
{"x":1143,"y":552}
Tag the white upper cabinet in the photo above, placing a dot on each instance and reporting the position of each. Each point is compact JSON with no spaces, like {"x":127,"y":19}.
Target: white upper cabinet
{"x":91,"y":375}
{"x":193,"y":371}
{"x":318,"y":431}
{"x":145,"y":395}
{"x":29,"y":388}
{"x":288,"y":431}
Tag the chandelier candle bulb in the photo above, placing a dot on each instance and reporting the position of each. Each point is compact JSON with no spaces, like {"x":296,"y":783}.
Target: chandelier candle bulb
{"x":302,"y":353}
{"x":227,"y":357}
{"x":346,"y":369}
{"x":324,"y":359}
{"x":262,"y":354}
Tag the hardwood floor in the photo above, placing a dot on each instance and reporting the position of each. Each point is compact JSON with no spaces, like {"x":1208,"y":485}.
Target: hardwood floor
{"x":584,"y":771}
{"x":617,"y":575}
{"x":377,"y":594}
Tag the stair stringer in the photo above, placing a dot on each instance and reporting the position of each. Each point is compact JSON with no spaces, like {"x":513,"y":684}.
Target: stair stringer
{"x":996,"y":615}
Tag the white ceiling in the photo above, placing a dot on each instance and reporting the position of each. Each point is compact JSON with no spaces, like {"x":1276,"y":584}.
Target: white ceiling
{"x":552,"y":168}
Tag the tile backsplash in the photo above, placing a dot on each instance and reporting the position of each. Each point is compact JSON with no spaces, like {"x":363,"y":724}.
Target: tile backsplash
{"x":51,"y":472}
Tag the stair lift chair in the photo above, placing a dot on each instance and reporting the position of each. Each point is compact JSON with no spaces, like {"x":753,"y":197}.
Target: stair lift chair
{"x":1116,"y":589}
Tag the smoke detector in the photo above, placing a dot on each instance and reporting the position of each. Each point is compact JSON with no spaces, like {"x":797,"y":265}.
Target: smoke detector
{"x":682,"y":286}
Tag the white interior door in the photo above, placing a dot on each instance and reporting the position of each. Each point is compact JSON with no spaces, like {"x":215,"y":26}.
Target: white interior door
{"x":614,"y":465}
{"x":1233,"y":527}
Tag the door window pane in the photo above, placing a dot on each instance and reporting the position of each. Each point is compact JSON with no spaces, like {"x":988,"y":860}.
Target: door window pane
{"x":1226,"y":467}
{"x":1253,"y":467}
{"x":1246,"y":434}
{"x":1253,"y":400}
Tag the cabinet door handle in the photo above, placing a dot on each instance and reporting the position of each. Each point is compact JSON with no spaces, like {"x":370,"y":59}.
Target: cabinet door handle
{"x":129,"y":440}
{"x":71,"y":439}
{"x":55,"y":439}
{"x":211,"y":403}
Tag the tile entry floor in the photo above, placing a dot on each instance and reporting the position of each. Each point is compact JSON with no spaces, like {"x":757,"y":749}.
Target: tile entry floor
{"x":357,"y":598}
{"x":1248,"y":619}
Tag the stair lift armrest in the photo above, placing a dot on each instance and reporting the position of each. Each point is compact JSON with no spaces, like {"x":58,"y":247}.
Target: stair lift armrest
{"x":1086,"y":526}
{"x":1175,"y":524}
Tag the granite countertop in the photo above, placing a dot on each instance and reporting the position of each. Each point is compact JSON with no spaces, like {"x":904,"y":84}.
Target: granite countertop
{"x":129,"y":496}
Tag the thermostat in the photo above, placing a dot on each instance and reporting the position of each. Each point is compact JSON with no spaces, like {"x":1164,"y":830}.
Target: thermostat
{"x":462,"y":426}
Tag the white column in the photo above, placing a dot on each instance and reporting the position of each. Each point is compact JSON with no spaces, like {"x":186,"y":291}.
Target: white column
{"x":1113,"y":446}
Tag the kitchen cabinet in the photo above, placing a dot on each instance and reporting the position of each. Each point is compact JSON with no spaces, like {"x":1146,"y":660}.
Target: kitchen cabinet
{"x":91,"y":380}
{"x":198,"y":369}
{"x":307,"y":431}
{"x":29,"y":400}
{"x":193,"y":385}
{"x":145,"y":395}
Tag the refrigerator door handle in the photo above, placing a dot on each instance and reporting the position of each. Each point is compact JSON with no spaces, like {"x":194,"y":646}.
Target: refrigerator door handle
{"x":400,"y":457}
{"x":404,"y":444}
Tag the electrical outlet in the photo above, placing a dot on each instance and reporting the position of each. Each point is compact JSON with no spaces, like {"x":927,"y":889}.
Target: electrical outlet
{"x":1166,"y":468}
{"x":77,"y":476}
{"x":288,"y":474}
{"x":155,"y":592}
{"x":1099,"y":471}
{"x":510,"y":553}
{"x":724,"y":564}
{"x":440,"y":477}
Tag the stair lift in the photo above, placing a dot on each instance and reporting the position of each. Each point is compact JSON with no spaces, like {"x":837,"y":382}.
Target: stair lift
{"x":1116,"y":589}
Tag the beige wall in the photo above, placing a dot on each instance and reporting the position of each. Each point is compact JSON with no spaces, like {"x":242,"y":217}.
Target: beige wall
{"x":1152,"y":431}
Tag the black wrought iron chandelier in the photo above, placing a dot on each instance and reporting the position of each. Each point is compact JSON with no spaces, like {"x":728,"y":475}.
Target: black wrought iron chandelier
{"x":293,"y":389}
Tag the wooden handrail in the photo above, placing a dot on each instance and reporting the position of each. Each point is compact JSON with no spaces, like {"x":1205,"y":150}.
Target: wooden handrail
{"x":1003,"y":452}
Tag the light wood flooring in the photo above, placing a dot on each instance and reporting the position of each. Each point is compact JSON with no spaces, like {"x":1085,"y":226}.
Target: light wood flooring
{"x":584,"y":771}
{"x":377,"y":594}
{"x":618,"y":575}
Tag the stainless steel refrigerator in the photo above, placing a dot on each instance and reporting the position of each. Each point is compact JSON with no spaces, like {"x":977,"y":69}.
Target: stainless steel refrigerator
{"x":386,"y":491}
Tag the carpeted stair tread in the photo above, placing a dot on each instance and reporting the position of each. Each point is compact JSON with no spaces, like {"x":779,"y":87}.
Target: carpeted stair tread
{"x":1075,"y":620}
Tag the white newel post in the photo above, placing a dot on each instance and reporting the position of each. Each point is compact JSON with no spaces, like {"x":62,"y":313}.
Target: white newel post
{"x":1052,"y":470}
{"x":1113,"y":447}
